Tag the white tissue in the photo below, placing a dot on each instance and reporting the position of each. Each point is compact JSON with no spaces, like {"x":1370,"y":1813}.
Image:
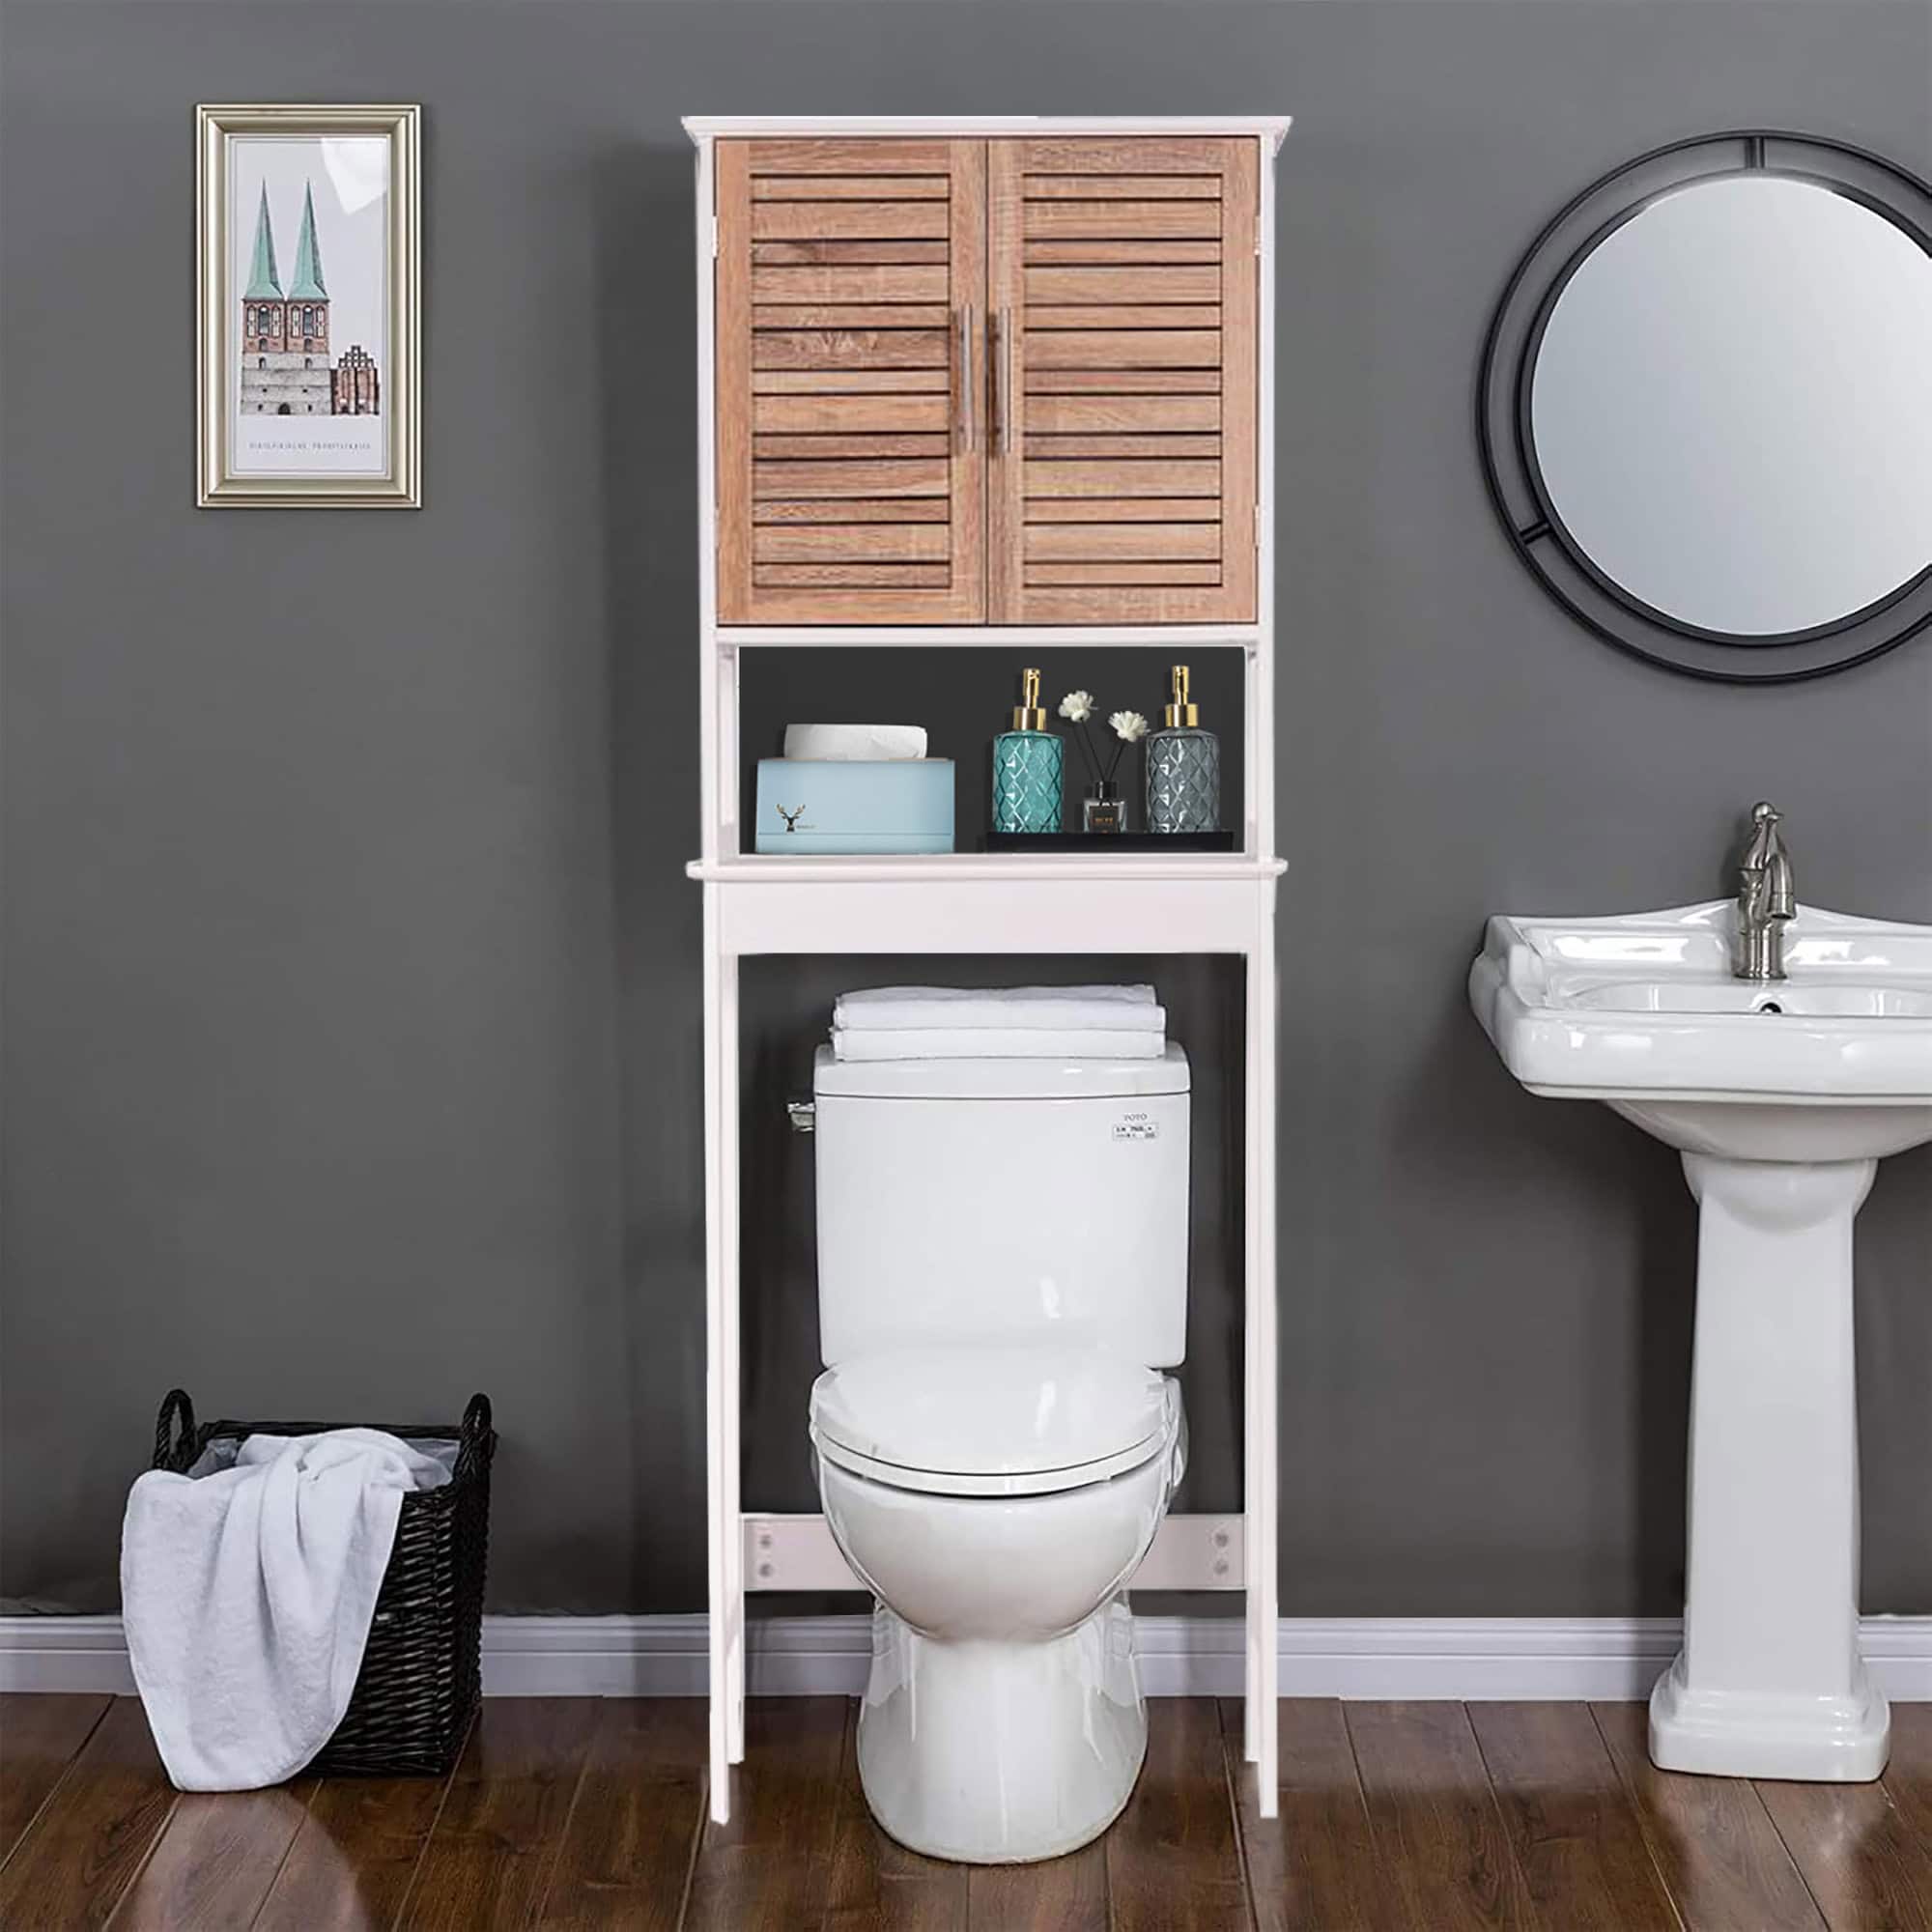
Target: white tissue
{"x":855,"y":744}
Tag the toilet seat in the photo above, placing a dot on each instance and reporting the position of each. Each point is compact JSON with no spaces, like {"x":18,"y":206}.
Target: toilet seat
{"x":982,"y":1419}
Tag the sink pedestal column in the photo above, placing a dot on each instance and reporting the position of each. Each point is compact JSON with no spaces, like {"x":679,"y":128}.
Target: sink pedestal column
{"x":1770,"y":1683}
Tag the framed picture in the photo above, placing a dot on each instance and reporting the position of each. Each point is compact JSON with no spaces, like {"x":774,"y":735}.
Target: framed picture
{"x":309,"y":307}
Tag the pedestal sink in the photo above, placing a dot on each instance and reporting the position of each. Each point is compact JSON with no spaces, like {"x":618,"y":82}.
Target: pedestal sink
{"x":1783,"y":1096}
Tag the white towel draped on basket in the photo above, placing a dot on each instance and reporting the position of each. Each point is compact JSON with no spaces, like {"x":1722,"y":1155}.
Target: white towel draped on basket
{"x":249,"y":1592}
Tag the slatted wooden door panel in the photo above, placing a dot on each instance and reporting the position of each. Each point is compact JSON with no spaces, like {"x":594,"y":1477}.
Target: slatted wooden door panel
{"x":851,"y":292}
{"x":1124,"y":289}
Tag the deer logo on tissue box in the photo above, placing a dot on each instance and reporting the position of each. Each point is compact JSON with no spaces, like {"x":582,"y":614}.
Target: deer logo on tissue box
{"x":859,"y":792}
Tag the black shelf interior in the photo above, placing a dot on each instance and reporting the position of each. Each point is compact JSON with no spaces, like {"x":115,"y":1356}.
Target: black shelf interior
{"x":964,"y":696}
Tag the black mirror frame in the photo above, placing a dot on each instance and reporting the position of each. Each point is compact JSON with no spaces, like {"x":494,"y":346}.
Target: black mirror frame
{"x":1516,"y":485}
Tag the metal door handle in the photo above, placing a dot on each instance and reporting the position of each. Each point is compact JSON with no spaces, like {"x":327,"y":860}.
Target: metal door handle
{"x":999,"y":346}
{"x":966,"y":378}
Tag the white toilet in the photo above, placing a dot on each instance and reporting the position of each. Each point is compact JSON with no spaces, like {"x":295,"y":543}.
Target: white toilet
{"x":1002,"y":1279}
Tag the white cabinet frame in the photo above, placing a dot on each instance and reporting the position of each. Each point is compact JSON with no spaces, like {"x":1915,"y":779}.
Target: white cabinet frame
{"x":996,"y":902}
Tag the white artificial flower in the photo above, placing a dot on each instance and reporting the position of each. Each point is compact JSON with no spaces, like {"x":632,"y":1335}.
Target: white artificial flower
{"x":1078,"y":706}
{"x":1129,"y":726}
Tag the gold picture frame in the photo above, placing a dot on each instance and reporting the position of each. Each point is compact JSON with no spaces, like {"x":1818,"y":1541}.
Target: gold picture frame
{"x":329,"y":337}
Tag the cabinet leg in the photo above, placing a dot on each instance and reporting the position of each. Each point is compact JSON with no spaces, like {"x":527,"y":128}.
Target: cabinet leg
{"x":726,"y":1557}
{"x":734,"y":1691}
{"x":1262,"y":1388}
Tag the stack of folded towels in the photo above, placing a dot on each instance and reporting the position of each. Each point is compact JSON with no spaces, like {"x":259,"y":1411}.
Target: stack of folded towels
{"x":1003,"y":1023}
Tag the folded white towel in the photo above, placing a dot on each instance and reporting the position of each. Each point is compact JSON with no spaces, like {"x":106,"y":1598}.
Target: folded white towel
{"x":247,"y":1594}
{"x":1120,"y":1008}
{"x":996,"y":1044}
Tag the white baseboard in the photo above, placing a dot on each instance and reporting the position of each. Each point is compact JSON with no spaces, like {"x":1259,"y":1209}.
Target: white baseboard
{"x":1477,"y":1658}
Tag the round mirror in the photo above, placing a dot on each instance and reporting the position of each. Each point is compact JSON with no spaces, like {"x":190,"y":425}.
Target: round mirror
{"x":1707,"y":407}
{"x":1731,"y":405}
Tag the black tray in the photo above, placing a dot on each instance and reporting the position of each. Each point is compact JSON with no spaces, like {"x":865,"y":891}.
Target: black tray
{"x":1107,"y":842}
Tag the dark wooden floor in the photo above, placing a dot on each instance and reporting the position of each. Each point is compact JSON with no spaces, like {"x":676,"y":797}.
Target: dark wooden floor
{"x":572,"y":1813}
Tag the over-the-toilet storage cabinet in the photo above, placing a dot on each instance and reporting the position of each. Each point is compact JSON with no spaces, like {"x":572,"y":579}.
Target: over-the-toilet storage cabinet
{"x":970,"y":382}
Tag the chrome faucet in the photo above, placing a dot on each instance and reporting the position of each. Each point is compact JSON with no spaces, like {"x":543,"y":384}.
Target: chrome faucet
{"x":1766,"y":902}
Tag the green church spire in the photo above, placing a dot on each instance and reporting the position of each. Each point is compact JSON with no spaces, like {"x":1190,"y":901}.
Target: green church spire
{"x":307,"y":285}
{"x":264,"y":284}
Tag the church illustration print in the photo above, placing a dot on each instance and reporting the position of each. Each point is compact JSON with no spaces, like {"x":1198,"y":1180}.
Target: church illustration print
{"x":285,"y":365}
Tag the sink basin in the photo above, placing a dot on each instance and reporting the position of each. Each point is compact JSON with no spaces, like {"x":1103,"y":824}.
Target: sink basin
{"x":1834,"y":1062}
{"x":1781,"y":1098}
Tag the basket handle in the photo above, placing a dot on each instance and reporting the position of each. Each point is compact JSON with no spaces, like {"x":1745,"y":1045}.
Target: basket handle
{"x":174,"y":1431}
{"x":477,"y":1437}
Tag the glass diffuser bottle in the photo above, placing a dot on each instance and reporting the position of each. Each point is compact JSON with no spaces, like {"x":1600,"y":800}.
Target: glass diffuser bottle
{"x":1103,"y":809}
{"x":1027,"y":767}
{"x":1184,"y":767}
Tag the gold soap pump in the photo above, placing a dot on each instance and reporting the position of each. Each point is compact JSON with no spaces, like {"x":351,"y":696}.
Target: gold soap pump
{"x":1179,"y":711}
{"x":1029,"y":714}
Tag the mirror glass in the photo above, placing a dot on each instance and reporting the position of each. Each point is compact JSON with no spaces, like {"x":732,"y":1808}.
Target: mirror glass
{"x":1731,"y":405}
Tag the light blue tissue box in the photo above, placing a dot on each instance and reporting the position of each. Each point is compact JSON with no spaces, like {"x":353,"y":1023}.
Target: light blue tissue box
{"x":837,"y":805}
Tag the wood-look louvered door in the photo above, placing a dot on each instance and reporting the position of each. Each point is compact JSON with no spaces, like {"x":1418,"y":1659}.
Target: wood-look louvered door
{"x":1123,"y":285}
{"x":851,"y":295}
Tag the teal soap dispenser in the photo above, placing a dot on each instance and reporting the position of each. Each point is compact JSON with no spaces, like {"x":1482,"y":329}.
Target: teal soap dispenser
{"x":1027,"y":767}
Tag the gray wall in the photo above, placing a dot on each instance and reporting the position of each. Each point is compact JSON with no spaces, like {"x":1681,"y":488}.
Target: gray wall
{"x":352,"y":972}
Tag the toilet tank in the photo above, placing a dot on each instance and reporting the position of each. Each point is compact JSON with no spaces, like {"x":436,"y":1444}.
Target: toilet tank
{"x":972,"y":1200}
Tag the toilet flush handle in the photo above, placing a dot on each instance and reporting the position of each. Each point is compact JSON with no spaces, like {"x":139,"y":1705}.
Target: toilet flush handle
{"x":802,"y":1116}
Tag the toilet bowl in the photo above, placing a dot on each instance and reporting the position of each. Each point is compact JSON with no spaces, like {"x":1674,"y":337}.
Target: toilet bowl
{"x":1002,"y":1283}
{"x":995,"y":1498}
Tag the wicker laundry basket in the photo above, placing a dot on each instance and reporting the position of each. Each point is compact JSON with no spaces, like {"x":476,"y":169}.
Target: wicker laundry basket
{"x":421,"y":1672}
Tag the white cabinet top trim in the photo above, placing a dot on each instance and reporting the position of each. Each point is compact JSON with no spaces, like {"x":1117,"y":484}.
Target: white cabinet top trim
{"x":705,"y":127}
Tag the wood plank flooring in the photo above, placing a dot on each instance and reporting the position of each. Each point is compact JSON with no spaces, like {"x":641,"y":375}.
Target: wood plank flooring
{"x":581,"y":1813}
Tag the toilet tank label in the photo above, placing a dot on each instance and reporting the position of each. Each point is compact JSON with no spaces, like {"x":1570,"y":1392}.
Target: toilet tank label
{"x":1136,"y":1127}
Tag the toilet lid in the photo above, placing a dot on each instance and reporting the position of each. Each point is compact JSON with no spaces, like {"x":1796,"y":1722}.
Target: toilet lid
{"x":979,"y":1418}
